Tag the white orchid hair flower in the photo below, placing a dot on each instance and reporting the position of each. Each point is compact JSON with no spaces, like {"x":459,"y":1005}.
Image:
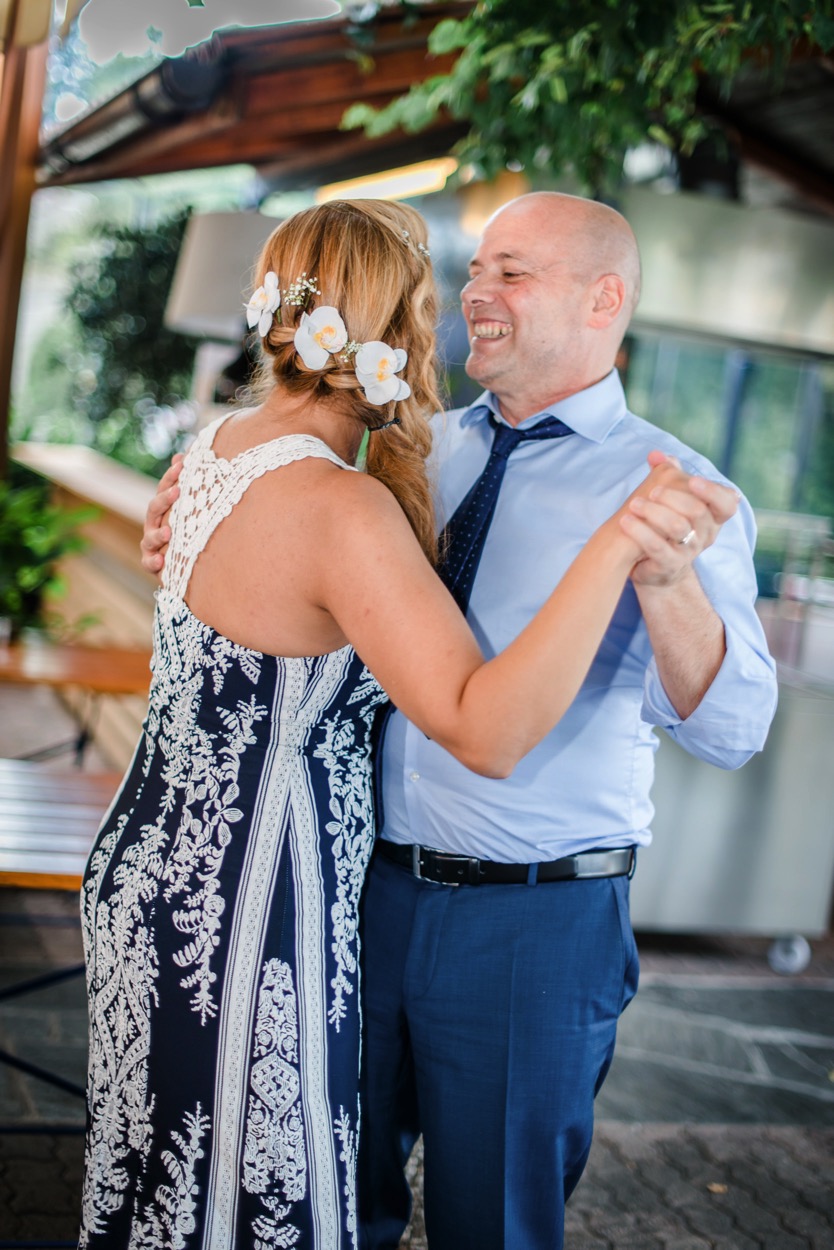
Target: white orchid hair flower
{"x":264,"y":304}
{"x":376,"y":366}
{"x":320,"y":334}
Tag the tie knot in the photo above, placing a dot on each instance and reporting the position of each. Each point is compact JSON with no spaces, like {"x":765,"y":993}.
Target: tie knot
{"x":506,"y":440}
{"x":507,"y":437}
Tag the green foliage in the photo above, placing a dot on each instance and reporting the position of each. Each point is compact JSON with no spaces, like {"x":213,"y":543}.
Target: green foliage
{"x":817,"y":493}
{"x":574,"y":84}
{"x":34,"y":535}
{"x":127,"y":365}
{"x":42,"y":409}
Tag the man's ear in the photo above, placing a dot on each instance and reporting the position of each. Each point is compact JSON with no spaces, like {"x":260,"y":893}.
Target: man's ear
{"x":608,"y":300}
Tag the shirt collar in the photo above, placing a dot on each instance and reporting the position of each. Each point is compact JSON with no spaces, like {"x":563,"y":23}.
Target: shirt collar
{"x":591,"y":413}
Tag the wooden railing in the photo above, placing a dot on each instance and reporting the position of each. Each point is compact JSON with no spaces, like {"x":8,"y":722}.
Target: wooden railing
{"x":106,"y":579}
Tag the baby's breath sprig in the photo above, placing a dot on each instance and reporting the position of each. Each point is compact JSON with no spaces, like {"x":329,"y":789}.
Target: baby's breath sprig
{"x":350,"y":349}
{"x":300,"y":292}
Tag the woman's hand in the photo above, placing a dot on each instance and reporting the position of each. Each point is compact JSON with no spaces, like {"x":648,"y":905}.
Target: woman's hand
{"x":672,"y":517}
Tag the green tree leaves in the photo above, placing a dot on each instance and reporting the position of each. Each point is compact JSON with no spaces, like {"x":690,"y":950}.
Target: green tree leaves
{"x":572,"y":84}
{"x":130,"y":363}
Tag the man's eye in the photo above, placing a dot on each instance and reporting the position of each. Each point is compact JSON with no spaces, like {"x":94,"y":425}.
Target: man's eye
{"x":513,"y":273}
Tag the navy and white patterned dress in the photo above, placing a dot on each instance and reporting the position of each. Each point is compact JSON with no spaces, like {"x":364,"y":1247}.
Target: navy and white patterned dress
{"x":220,"y":925}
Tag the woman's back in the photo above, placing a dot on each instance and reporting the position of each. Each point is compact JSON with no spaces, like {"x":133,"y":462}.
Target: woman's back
{"x":244,"y":536}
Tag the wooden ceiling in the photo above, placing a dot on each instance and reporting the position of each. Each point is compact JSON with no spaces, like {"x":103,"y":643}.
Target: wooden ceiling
{"x":270,"y":97}
{"x":788,"y":131}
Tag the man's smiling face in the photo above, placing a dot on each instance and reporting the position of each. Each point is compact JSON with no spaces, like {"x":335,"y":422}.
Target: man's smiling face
{"x":525,"y":306}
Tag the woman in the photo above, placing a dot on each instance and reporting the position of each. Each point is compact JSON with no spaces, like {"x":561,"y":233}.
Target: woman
{"x":220,"y":901}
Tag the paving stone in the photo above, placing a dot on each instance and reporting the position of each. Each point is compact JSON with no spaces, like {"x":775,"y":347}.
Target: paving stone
{"x":773,"y":1194}
{"x":414,"y":1237}
{"x":611,"y":1195}
{"x":585,"y":1241}
{"x":739,"y":1241}
{"x":625,"y":1233}
{"x":819,"y":1199}
{"x":709,"y":1221}
{"x":51,"y":1228}
{"x":809,"y":1224}
{"x":751,"y":1215}
{"x":677,"y":1194}
{"x":779,"y":1151}
{"x":20,"y":1149}
{"x":660,"y":1177}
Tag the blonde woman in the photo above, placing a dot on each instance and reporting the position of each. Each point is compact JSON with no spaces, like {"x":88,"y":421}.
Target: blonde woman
{"x":220,"y":901}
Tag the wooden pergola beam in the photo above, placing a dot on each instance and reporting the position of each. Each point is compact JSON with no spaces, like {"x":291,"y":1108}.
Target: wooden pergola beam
{"x":275,"y":148}
{"x":287,"y":81}
{"x":21,"y":96}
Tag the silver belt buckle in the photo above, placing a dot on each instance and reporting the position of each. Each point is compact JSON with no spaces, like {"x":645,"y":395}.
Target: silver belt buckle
{"x":415,"y":860}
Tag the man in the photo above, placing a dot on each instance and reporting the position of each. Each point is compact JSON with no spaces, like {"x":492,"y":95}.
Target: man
{"x":498,"y":952}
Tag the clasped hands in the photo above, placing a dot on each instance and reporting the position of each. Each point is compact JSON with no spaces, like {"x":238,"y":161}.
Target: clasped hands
{"x":672,"y":518}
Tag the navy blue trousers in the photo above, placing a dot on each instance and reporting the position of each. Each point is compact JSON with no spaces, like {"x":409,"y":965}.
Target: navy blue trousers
{"x":490,"y":1015}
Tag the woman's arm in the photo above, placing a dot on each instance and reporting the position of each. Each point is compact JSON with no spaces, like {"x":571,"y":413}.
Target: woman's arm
{"x":375,"y":582}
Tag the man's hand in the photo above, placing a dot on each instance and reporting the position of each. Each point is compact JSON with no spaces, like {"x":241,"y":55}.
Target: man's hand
{"x":157,"y":533}
{"x":674,"y":524}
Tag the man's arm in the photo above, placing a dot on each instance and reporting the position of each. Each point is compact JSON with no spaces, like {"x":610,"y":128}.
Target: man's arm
{"x":157,"y":534}
{"x":687,"y":638}
{"x":711,"y":683}
{"x":685,"y":631}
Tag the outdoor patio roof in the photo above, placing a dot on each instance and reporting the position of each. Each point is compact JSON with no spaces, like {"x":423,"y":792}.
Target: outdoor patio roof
{"x":786,"y":130}
{"x":272,"y":97}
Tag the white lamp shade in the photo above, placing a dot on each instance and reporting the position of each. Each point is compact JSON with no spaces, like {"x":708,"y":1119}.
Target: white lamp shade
{"x":213,"y":278}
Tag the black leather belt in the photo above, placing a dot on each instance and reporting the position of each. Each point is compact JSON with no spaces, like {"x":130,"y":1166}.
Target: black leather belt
{"x":446,"y":869}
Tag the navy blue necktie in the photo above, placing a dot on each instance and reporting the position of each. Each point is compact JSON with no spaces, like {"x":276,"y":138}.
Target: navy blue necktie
{"x":463,"y":543}
{"x":464,"y":537}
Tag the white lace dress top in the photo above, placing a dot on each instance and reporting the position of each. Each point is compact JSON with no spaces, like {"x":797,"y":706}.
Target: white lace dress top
{"x":210,"y":486}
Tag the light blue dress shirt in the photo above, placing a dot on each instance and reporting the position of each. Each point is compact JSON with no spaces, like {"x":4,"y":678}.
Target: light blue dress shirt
{"x":586,"y":785}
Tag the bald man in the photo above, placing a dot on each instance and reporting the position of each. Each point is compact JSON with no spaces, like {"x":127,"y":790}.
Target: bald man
{"x":498,"y":951}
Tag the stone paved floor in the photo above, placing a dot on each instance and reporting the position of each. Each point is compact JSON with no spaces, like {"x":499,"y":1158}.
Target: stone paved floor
{"x":677,"y":1187}
{"x":715,"y":1127}
{"x":717,"y":1163}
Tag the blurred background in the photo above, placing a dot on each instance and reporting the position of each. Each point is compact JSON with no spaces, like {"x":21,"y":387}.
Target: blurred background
{"x":146,"y":152}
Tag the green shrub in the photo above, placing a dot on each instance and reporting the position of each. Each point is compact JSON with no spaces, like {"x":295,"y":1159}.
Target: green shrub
{"x":34,"y":535}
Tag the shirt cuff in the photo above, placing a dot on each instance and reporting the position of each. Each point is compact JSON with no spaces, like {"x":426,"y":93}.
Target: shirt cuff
{"x":734,"y":714}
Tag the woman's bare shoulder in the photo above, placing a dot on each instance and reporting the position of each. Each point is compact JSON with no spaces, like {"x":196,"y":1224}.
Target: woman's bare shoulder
{"x":335,"y":505}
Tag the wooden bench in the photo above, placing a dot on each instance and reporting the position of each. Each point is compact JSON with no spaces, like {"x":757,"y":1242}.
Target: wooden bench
{"x":95,"y":671}
{"x":48,"y":823}
{"x":104,"y":670}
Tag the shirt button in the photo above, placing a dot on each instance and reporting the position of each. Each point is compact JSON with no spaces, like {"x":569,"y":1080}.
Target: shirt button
{"x":414,"y":776}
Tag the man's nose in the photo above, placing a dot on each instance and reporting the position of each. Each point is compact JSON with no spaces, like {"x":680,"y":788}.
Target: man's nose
{"x":477,"y":290}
